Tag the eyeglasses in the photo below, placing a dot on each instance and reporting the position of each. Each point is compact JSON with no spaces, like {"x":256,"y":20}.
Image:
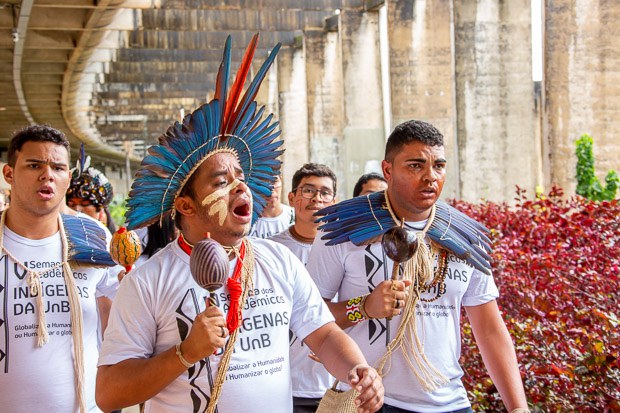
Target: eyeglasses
{"x":309,"y":192}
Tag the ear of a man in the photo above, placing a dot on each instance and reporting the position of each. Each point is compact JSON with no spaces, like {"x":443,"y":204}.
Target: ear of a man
{"x":386,"y":167}
{"x":185,"y":206}
{"x":7,"y":172}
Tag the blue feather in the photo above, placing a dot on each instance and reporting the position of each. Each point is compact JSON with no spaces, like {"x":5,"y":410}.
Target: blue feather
{"x":87,"y":242}
{"x":363,"y":218}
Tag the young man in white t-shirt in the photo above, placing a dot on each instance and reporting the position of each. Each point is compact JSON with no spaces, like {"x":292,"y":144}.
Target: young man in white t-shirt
{"x":314,"y":187}
{"x":276,"y":216}
{"x":426,"y":379}
{"x":42,"y":356}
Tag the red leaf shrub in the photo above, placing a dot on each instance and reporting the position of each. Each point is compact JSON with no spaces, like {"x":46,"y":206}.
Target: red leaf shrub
{"x":556,"y":263}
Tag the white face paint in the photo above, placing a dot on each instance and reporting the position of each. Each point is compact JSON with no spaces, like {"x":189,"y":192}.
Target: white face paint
{"x":218,"y":205}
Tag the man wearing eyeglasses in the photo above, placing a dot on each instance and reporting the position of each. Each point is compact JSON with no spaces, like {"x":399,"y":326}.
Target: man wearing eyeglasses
{"x":314,"y":188}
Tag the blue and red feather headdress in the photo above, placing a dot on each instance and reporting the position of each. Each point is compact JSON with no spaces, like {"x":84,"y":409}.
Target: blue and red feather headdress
{"x":230,"y":122}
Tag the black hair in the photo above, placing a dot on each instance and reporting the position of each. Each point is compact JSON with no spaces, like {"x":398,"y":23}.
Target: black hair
{"x":159,"y":236}
{"x":411,"y":131}
{"x":109,"y":221}
{"x":364,"y":179}
{"x":187,"y":190}
{"x":313,"y":169}
{"x":35,"y":133}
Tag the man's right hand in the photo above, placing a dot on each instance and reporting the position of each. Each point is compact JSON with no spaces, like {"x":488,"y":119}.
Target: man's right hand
{"x":388,"y":299}
{"x":208,"y":333}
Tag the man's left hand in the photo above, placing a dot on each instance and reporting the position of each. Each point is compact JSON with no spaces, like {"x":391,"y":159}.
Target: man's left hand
{"x":368,"y":383}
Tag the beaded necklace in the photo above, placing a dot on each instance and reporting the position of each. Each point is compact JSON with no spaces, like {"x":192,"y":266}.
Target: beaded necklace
{"x":439,"y":279}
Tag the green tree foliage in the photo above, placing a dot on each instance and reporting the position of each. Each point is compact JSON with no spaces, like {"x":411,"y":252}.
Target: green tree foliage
{"x":588,"y":185}
{"x":117,"y":210}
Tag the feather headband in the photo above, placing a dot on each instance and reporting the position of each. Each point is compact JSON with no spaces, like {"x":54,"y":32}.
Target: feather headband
{"x":89,"y":183}
{"x":232,"y":123}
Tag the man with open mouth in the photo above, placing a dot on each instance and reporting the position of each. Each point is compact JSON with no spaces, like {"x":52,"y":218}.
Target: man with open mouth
{"x":48,"y":283}
{"x":165,"y":344}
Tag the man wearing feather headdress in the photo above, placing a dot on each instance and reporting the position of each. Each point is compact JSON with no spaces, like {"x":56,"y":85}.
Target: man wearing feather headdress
{"x":406,"y":317}
{"x":90,"y":192}
{"x":48,"y":285}
{"x":164,"y":346}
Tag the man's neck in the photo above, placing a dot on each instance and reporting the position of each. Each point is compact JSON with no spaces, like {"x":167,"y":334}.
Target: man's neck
{"x":30,"y":226}
{"x":194,"y":238}
{"x":272,"y":211}
{"x":306,"y":230}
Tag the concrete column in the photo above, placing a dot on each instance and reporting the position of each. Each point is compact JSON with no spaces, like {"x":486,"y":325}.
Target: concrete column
{"x":293,"y":112}
{"x":498,"y":148}
{"x":325,"y":100}
{"x":363,"y":105}
{"x":268,"y":92}
{"x":582,"y":84}
{"x":422,"y":71}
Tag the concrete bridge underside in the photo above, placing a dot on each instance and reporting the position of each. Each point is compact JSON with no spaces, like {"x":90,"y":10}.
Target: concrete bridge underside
{"x":115,"y":74}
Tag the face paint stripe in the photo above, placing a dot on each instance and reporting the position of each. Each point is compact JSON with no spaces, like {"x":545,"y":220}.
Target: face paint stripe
{"x":220,"y":192}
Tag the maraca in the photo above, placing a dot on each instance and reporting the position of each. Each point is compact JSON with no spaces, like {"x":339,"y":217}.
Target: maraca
{"x":399,"y":244}
{"x":125,"y":248}
{"x":208,"y":264}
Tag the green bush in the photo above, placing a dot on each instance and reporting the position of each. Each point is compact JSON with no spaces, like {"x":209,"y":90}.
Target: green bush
{"x":117,"y":208}
{"x":588,"y":185}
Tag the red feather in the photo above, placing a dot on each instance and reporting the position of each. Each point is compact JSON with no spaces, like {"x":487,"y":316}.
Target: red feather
{"x":237,"y":87}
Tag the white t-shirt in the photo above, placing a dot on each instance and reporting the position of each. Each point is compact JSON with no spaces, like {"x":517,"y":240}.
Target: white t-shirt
{"x":310,"y":379}
{"x":266,"y":227}
{"x":157,"y":303}
{"x":352,"y":271}
{"x":41,"y":379}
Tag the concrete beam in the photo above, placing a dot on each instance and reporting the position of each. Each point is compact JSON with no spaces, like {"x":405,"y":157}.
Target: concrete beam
{"x":293,"y":112}
{"x":363,"y":103}
{"x":582,"y":85}
{"x":142,"y":93}
{"x":331,"y":23}
{"x":325,"y":101}
{"x":496,"y":124}
{"x":162,"y":67}
{"x":210,"y":40}
{"x":91,"y":4}
{"x":50,"y":68}
{"x":422,"y":72}
{"x":167,"y":55}
{"x":48,"y":19}
{"x":228,"y":20}
{"x":43,"y":56}
{"x":262,"y":5}
{"x":160,"y":78}
{"x":57,"y":39}
{"x":373,"y":5}
{"x":206,"y":86}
